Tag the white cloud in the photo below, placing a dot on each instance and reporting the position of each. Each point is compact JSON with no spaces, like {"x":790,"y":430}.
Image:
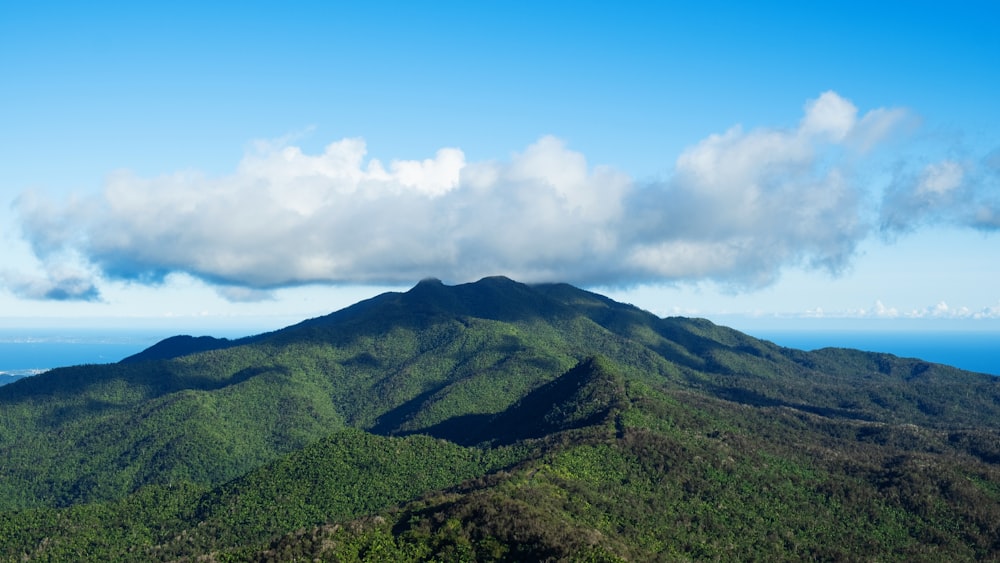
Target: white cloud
{"x":741,"y":206}
{"x":286,"y":218}
{"x":829,"y":115}
{"x":992,"y":312}
{"x":881,"y":311}
{"x":957,"y":192}
{"x":59,"y":284}
{"x":940,"y":178}
{"x":939,"y":310}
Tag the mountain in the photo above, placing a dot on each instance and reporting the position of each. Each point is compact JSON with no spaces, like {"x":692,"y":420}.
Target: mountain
{"x":8,"y":377}
{"x":500,"y":421}
{"x":181,"y":345}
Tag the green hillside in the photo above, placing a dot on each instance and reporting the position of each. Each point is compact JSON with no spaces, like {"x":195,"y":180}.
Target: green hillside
{"x":500,"y":421}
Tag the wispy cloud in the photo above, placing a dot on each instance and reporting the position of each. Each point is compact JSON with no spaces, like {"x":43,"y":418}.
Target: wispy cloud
{"x":939,"y":310}
{"x":739,"y":207}
{"x":743,"y":204}
{"x":962,"y":192}
{"x":58,"y":285}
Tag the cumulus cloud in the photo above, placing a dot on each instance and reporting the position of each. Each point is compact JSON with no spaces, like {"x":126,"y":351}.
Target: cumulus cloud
{"x":991,"y":312}
{"x":58,"y":285}
{"x":739,"y":207}
{"x":956,"y":192}
{"x":743,"y":204}
{"x":881,"y":311}
{"x":939,"y":310}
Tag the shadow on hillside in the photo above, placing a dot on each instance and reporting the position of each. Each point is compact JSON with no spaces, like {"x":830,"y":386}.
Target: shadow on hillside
{"x":206,"y":383}
{"x":467,"y":430}
{"x":389,"y":423}
{"x":586,"y":395}
{"x":754,"y":399}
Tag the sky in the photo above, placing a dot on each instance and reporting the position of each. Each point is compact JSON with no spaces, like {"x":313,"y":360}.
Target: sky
{"x":217,"y":165}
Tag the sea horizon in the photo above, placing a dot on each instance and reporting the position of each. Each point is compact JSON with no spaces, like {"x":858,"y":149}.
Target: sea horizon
{"x":969,"y":350}
{"x":25,"y":352}
{"x":31,"y":351}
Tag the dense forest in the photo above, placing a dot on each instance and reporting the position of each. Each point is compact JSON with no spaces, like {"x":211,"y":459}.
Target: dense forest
{"x":498,"y":421}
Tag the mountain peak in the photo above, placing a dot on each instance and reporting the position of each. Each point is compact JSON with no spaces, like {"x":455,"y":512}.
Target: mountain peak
{"x":429,"y":282}
{"x":488,"y":281}
{"x":494,"y":297}
{"x":497,"y":280}
{"x":180,"y":345}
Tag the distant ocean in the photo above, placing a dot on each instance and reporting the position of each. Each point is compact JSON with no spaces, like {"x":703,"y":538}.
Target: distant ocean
{"x":29,"y":352}
{"x":969,"y":350}
{"x":25,"y":352}
{"x":33,"y":351}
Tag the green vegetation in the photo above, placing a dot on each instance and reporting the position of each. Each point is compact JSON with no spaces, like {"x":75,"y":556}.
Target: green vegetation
{"x":500,"y":422}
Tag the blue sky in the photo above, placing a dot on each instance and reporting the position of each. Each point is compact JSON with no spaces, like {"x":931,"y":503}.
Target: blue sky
{"x":221,"y":166}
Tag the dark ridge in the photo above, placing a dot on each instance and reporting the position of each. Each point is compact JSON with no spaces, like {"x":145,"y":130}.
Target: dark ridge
{"x":503,"y":299}
{"x":586,"y":395}
{"x":495,"y":297}
{"x":177,"y":346}
{"x":360,"y":311}
{"x":5,"y":379}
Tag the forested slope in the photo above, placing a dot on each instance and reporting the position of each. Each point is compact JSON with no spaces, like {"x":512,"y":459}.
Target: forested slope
{"x":500,"y":421}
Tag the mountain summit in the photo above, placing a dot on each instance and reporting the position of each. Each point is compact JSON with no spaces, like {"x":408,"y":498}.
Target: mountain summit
{"x":500,"y":421}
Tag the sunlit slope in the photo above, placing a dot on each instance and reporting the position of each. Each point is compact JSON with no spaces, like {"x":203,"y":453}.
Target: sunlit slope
{"x":427,"y":360}
{"x":594,"y":465}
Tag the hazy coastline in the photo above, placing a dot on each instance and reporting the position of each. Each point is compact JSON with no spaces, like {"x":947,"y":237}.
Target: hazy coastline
{"x":28,"y":352}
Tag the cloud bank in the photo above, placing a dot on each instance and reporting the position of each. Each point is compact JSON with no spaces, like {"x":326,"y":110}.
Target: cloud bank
{"x":738,"y":207}
{"x":940,"y":310}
